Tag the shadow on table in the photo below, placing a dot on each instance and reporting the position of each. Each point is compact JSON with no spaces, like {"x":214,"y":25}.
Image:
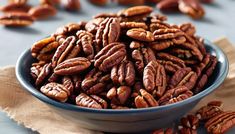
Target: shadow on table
{"x":24,"y":30}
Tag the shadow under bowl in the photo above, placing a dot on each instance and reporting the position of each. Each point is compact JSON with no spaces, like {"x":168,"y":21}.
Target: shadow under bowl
{"x":124,"y":120}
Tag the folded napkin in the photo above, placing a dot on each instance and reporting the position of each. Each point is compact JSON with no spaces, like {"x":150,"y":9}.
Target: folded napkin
{"x":34,"y":114}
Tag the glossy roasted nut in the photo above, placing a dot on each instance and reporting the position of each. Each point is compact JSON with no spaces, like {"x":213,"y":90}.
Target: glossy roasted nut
{"x":161,"y":45}
{"x":85,"y":39}
{"x":15,"y":7}
{"x":44,"y":73}
{"x":110,"y":56}
{"x":140,"y":34}
{"x":136,"y":11}
{"x":145,"y":100}
{"x":84,"y":100}
{"x":154,"y":78}
{"x":209,"y":111}
{"x":168,"y":5}
{"x":71,"y":5}
{"x":35,"y":71}
{"x":99,"y":2}
{"x":162,"y":131}
{"x":119,"y":95}
{"x":169,"y":57}
{"x":42,"y":12}
{"x":183,"y":77}
{"x":67,"y":50}
{"x":95,"y":82}
{"x":158,"y":24}
{"x":55,"y":91}
{"x":72,"y":66}
{"x":130,"y":2}
{"x":123,"y":74}
{"x":50,"y":2}
{"x":188,"y":28}
{"x":108,"y":31}
{"x":175,"y":95}
{"x":192,"y":8}
{"x":93,"y":25}
{"x":68,"y":29}
{"x":130,"y":25}
{"x":68,"y":83}
{"x":220,"y":123}
{"x":16,"y":19}
{"x":168,"y":33}
{"x":194,"y":50}
{"x":189,"y":124}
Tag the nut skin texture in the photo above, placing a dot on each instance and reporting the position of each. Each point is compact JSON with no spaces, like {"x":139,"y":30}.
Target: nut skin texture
{"x":145,"y":99}
{"x":55,"y":91}
{"x":130,"y":25}
{"x":108,"y":31}
{"x":42,"y":12}
{"x":192,"y":8}
{"x":71,"y":5}
{"x":140,"y":34}
{"x":84,"y":100}
{"x":154,"y":78}
{"x":123,"y":74}
{"x":72,"y":66}
{"x":119,"y":95}
{"x":110,"y":56}
{"x":189,"y":124}
{"x":16,"y":19}
{"x":44,"y":73}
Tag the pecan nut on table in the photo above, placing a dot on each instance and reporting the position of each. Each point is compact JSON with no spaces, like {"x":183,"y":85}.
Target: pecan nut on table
{"x":132,"y":59}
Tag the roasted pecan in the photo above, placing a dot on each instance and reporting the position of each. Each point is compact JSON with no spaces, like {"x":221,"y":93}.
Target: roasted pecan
{"x":200,"y":43}
{"x":72,"y":66}
{"x":55,"y":91}
{"x":212,"y":109}
{"x":95,"y":82}
{"x":35,"y":71}
{"x":189,"y":124}
{"x":130,"y":25}
{"x":188,"y":28}
{"x":145,"y":99}
{"x":141,"y":56}
{"x":175,"y":95}
{"x":168,"y":5}
{"x":71,"y":5}
{"x":85,"y":39}
{"x":68,"y":83}
{"x":15,"y":7}
{"x":169,"y":57}
{"x":119,"y":95}
{"x":192,"y":8}
{"x":99,"y":2}
{"x":183,"y":77}
{"x":108,"y":31}
{"x":221,"y":123}
{"x":136,"y":11}
{"x":110,"y":56}
{"x":50,"y":2}
{"x":68,"y":49}
{"x":181,"y":53}
{"x":194,"y":50}
{"x":93,"y":25}
{"x":44,"y":73}
{"x":158,"y":24}
{"x":169,"y":33}
{"x":140,"y":34}
{"x":123,"y":74}
{"x":164,"y":131}
{"x":130,"y":2}
{"x":154,"y":78}
{"x":92,"y":101}
{"x":42,"y":12}
{"x":16,"y":19}
{"x":69,"y":29}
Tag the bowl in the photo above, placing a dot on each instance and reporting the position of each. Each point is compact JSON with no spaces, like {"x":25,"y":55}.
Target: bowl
{"x":124,"y":120}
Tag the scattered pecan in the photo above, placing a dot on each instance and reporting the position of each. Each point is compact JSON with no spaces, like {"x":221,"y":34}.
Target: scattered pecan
{"x":140,"y":34}
{"x":169,"y":57}
{"x":72,"y":66}
{"x":136,"y":11}
{"x":175,"y":95}
{"x":168,"y":5}
{"x":55,"y":91}
{"x":108,"y":31}
{"x":15,"y":7}
{"x":145,"y":100}
{"x":119,"y":96}
{"x":71,"y":5}
{"x":154,"y":78}
{"x":123,"y":74}
{"x":42,"y":12}
{"x":189,"y":124}
{"x":110,"y":56}
{"x":92,"y":101}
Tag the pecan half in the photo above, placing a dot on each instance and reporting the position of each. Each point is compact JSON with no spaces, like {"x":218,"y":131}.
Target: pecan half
{"x":93,"y":25}
{"x":169,"y":33}
{"x":171,"y":58}
{"x":183,"y":77}
{"x":140,"y":34}
{"x":15,"y":7}
{"x":221,"y":123}
{"x":124,"y":73}
{"x":110,"y":56}
{"x":145,"y":100}
{"x":175,"y":95}
{"x":72,"y":66}
{"x":55,"y":91}
{"x":168,"y":5}
{"x":92,"y":101}
{"x":189,"y":124}
{"x":212,"y":109}
{"x":71,"y":5}
{"x":130,"y":2}
{"x":108,"y":31}
{"x":42,"y":12}
{"x":130,"y":25}
{"x":192,"y":8}
{"x":68,"y":83}
{"x":119,"y":95}
{"x":44,"y":73}
{"x":154,"y":78}
{"x":16,"y":19}
{"x":136,"y":11}
{"x":158,"y":24}
{"x":95,"y":82}
{"x":188,"y":28}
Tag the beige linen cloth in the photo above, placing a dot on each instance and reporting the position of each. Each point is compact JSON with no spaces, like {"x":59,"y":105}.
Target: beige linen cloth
{"x":32,"y":113}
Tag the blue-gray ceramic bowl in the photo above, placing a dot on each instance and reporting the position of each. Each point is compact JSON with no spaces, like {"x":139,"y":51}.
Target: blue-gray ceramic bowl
{"x":130,"y":120}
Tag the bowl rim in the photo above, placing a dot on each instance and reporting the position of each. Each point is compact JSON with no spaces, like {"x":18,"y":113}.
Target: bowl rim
{"x":76,"y":108}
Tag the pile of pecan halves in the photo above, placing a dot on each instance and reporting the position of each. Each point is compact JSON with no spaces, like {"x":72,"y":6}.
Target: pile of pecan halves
{"x":132,"y":59}
{"x":214,"y":118}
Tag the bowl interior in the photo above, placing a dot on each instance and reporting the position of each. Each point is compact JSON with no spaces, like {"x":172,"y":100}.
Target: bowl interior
{"x":23,"y":75}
